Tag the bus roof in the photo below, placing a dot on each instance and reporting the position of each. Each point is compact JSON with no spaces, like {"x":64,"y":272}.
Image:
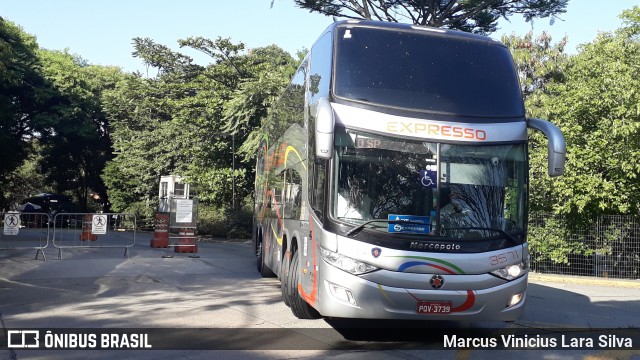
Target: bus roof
{"x":412,"y":28}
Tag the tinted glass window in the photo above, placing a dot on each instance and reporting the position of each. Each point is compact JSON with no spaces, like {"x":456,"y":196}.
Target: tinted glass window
{"x":320,"y":75}
{"x":317,"y":187}
{"x":460,"y":191}
{"x":426,"y":71}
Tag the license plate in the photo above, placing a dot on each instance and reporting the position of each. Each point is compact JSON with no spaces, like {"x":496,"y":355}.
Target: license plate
{"x":434,"y":307}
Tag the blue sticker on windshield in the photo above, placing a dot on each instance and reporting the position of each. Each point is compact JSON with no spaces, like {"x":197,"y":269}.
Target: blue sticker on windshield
{"x":414,"y":224}
{"x":428,"y":178}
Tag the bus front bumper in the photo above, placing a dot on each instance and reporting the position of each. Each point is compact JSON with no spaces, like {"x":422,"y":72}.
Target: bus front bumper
{"x":344,"y":295}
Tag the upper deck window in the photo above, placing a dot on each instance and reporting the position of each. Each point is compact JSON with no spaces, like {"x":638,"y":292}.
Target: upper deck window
{"x":426,"y":71}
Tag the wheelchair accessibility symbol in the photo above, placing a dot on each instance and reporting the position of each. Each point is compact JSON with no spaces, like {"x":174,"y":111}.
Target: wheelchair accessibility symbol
{"x":427,"y":178}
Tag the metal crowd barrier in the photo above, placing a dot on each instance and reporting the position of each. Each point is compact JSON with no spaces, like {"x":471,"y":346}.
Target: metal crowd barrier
{"x":104,"y":230}
{"x":25,"y":230}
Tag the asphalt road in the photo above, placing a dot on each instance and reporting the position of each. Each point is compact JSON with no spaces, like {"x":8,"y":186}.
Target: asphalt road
{"x":177,"y":299}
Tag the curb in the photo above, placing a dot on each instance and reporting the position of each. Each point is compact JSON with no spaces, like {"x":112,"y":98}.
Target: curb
{"x":209,"y":239}
{"x":583,"y":280}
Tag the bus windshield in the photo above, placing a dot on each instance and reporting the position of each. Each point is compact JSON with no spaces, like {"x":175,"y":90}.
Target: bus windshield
{"x":455,"y":191}
{"x":424,"y":71}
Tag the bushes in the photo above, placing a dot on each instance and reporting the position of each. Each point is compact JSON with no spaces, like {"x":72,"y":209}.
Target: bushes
{"x":227,"y":223}
{"x":607,"y":245}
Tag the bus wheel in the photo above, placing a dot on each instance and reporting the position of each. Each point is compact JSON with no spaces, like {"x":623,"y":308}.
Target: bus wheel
{"x":299,"y":307}
{"x":262,"y":268}
{"x":284,"y":278}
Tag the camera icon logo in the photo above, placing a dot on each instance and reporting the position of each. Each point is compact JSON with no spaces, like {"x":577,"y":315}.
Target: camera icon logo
{"x":23,"y":339}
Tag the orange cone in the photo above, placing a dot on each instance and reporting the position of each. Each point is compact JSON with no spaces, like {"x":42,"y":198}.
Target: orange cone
{"x":186,"y":237}
{"x":86,"y":229}
{"x":161,"y":231}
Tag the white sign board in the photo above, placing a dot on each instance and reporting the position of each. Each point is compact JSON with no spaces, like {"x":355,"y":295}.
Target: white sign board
{"x":184,"y":211}
{"x":11,"y":224}
{"x":99,"y":224}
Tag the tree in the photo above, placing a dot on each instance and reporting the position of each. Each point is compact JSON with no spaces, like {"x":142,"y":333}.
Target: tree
{"x":540,"y":63}
{"x":478,"y":16}
{"x":24,"y":101}
{"x":165,"y":125}
{"x":74,"y":155}
{"x":191,"y":120}
{"x":25,"y":181}
{"x":145,"y":143}
{"x":593,"y":97}
{"x":267,"y":72}
{"x":597,"y":109}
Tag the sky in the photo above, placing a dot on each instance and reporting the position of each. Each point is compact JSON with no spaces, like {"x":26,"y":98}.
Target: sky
{"x":101,"y":31}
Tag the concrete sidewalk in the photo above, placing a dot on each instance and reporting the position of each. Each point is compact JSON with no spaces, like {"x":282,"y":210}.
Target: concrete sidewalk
{"x":583,"y":280}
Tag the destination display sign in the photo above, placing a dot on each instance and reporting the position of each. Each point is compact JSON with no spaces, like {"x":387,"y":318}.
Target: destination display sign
{"x":414,"y":224}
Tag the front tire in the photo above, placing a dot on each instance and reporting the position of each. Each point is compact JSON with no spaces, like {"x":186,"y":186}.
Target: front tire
{"x":300,"y":308}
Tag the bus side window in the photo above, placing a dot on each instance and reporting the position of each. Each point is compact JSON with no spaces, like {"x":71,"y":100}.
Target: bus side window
{"x":320,"y":70}
{"x":317,"y":186}
{"x":293,"y":196}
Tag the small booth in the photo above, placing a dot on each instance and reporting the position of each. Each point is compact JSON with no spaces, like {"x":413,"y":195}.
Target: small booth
{"x":171,"y":187}
{"x":176,"y":217}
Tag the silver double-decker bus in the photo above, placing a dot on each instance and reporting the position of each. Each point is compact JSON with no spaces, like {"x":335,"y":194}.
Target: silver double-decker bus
{"x":392,"y":177}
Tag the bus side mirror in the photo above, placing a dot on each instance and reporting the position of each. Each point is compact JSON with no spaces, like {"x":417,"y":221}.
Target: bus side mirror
{"x":325,"y":123}
{"x":557,"y":148}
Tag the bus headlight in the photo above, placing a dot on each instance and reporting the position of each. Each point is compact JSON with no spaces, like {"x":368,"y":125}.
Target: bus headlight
{"x":346,"y":263}
{"x":511,"y":272}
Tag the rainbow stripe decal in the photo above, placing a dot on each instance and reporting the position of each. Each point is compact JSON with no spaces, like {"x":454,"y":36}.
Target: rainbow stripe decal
{"x":442,"y":265}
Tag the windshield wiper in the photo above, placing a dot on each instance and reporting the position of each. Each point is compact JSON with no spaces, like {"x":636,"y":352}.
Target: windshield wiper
{"x":502,"y":232}
{"x":358,"y":228}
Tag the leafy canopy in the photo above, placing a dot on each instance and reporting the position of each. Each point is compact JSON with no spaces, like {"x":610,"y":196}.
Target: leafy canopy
{"x":191,"y":120}
{"x":478,"y":16}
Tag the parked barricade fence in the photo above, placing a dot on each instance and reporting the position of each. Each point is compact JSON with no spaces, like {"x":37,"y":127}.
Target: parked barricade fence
{"x":606,"y":246}
{"x":89,"y":230}
{"x":25,"y":230}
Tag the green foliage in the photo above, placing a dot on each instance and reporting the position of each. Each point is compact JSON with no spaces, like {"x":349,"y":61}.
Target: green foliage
{"x":597,"y":110}
{"x":593,"y":97}
{"x":50,"y":110}
{"x":25,"y":181}
{"x":75,"y":153}
{"x":23,"y":99}
{"x":192,"y":120}
{"x":225,"y":222}
{"x":605,"y":244}
{"x":478,"y":16}
{"x":540,"y":62}
{"x":142,"y":210}
{"x":548,"y":241}
{"x":145,"y":141}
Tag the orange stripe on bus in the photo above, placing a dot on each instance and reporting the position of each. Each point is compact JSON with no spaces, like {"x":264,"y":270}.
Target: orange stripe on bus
{"x":311,"y":297}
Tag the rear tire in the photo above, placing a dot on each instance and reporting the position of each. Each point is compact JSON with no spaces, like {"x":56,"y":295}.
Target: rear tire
{"x":284,"y":278}
{"x":300,"y":308}
{"x":263,"y":269}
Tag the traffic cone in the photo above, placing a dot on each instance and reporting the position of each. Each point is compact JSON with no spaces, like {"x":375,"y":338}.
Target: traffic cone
{"x":86,"y":234}
{"x":187,"y":238}
{"x":161,"y":231}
